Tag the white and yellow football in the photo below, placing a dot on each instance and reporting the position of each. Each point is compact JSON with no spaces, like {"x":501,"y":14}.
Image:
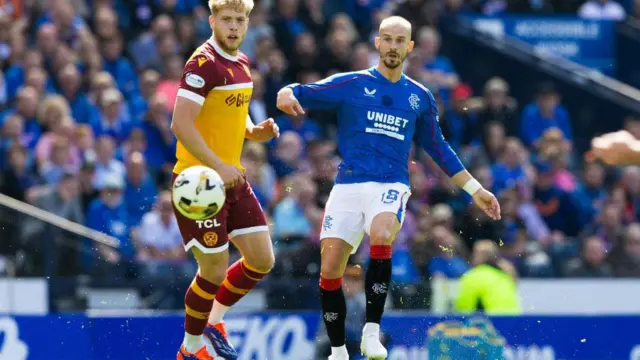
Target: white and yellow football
{"x":198,"y":193}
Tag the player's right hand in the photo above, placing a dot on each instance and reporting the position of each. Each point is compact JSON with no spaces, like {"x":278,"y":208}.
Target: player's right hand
{"x":617,"y":148}
{"x":288,"y":103}
{"x":231,"y":175}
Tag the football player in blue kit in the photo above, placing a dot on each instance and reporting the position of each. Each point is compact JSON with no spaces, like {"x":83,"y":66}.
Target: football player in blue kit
{"x":380,"y":110}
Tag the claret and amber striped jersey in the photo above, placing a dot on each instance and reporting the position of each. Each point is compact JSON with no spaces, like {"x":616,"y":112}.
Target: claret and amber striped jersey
{"x":222,"y":84}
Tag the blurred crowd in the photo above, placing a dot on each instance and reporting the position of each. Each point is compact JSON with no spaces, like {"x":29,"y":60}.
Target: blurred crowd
{"x":86,"y":93}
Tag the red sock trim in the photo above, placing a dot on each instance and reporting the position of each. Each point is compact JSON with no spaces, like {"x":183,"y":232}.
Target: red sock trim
{"x":380,"y":252}
{"x":330,"y":284}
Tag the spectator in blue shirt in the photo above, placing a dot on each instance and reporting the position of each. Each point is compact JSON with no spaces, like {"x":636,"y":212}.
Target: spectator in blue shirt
{"x":558,"y":208}
{"x":70,"y":83}
{"x":182,"y":7}
{"x":293,"y":216}
{"x":508,"y":171}
{"x":4,"y":95}
{"x":140,"y":189}
{"x":287,"y":25}
{"x":139,"y":104}
{"x":106,"y":163}
{"x":15,"y":74}
{"x":593,"y":186}
{"x":108,"y":214}
{"x":308,"y":129}
{"x":403,"y":270}
{"x":362,"y":12}
{"x":100,"y":83}
{"x":38,"y":78}
{"x":136,"y":142}
{"x":439,"y":69}
{"x":26,"y":105}
{"x":112,"y":122}
{"x":161,"y":142}
{"x":545,"y":113}
{"x":47,"y":40}
{"x":120,"y":67}
{"x":459,"y":126}
{"x":259,"y":173}
{"x":63,"y":16}
{"x":286,"y":157}
{"x":147,"y":50}
{"x":447,"y":262}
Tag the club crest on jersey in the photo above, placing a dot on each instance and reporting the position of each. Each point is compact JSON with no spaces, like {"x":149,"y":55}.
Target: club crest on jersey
{"x":194,"y":81}
{"x":414,"y":101}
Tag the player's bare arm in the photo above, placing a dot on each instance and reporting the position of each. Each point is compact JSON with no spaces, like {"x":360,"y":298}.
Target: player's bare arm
{"x":183,"y":126}
{"x":263,"y":131}
{"x":483,"y":198}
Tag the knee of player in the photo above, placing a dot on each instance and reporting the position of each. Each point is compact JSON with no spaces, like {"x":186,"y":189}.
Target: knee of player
{"x":263,"y":264}
{"x":330,"y":270}
{"x":381,"y":236}
{"x":213,"y":272}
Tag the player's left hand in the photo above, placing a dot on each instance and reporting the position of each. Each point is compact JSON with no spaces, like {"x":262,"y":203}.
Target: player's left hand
{"x":488,"y":203}
{"x":265,"y":131}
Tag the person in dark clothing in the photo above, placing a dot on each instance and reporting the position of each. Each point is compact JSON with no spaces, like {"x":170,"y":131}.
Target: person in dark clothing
{"x":592,"y":263}
{"x":498,"y":106}
{"x":14,"y":182}
{"x":18,"y":178}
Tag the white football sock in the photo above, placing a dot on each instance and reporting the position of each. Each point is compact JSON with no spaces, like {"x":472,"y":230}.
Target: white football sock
{"x":192,"y":343}
{"x":339,"y":351}
{"x":217,"y":312}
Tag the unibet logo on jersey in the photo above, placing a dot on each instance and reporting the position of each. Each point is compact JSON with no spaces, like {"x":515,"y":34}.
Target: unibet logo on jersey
{"x":239,"y":99}
{"x":386,"y":124}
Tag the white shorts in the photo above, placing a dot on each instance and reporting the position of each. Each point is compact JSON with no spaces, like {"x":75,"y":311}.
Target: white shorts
{"x":351,"y":208}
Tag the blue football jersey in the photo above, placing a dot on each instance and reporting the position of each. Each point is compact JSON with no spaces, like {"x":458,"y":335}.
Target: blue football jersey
{"x":377,"y":122}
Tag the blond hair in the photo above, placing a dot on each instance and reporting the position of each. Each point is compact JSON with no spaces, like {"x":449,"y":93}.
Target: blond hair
{"x":239,"y":5}
{"x":56,"y":103}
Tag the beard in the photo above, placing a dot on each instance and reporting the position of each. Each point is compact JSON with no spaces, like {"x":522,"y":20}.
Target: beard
{"x":226,"y":45}
{"x":392,"y":63}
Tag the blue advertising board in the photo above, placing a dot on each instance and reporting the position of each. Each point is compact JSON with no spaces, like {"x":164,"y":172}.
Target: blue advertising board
{"x":587,"y":42}
{"x":291,"y":336}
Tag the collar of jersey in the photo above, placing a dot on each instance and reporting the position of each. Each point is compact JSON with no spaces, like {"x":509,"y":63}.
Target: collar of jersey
{"x":376,"y":74}
{"x":220,"y":51}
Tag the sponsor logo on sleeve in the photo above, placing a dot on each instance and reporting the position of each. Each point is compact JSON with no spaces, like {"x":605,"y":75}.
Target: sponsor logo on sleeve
{"x":195,"y":81}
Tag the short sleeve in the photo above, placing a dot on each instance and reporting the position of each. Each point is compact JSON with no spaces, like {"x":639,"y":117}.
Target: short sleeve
{"x":199,"y":77}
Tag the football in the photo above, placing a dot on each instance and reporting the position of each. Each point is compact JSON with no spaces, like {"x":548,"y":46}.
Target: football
{"x":198,"y":193}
